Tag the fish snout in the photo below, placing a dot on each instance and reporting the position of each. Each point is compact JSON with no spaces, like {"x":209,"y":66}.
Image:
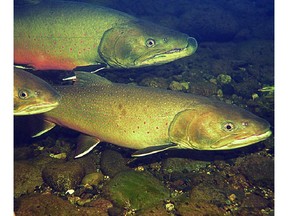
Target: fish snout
{"x":192,"y":42}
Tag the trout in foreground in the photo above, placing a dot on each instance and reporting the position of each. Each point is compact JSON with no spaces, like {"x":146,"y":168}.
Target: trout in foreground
{"x":63,"y":35}
{"x":32,"y":95}
{"x":150,"y":120}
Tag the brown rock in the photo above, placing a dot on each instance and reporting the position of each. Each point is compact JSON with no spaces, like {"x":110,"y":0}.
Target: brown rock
{"x":26,"y":178}
{"x":199,"y":209}
{"x":40,"y":205}
{"x":63,"y":176}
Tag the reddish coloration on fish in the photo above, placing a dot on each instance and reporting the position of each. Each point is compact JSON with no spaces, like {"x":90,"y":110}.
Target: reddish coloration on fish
{"x":63,"y":35}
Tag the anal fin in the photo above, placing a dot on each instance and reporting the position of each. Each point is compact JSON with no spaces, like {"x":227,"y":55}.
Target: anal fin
{"x":153,"y":150}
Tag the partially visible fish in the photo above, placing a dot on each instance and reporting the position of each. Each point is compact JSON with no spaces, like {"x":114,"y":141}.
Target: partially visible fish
{"x":64,"y":35}
{"x":32,"y":95}
{"x":149,"y":119}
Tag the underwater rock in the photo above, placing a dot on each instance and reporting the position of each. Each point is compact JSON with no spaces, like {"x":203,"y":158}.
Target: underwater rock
{"x":224,"y":78}
{"x":203,"y":88}
{"x":255,"y":201}
{"x":48,"y":204}
{"x":182,"y":165}
{"x":176,"y":86}
{"x":92,"y":179}
{"x":155,"y":211}
{"x":98,"y":207}
{"x":63,"y":176}
{"x":199,"y":208}
{"x":45,"y":204}
{"x":91,"y":162}
{"x":155,"y":82}
{"x":258,"y":169}
{"x":256,"y":51}
{"x":247,"y":87}
{"x":26,"y":178}
{"x":209,"y":194}
{"x":112,"y":163}
{"x":23,"y":153}
{"x":136,"y":190}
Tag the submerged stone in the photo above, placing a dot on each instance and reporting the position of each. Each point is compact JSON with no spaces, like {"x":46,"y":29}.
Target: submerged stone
{"x":112,"y":162}
{"x":136,"y":190}
{"x":26,"y":178}
{"x":93,"y":179}
{"x":63,"y":176}
{"x":48,"y":204}
{"x":182,"y":165}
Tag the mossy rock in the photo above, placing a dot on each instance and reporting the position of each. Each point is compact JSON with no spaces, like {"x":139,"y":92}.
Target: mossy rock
{"x":136,"y":190}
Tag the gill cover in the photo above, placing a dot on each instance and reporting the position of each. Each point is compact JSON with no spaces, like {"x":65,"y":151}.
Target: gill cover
{"x":179,"y":128}
{"x":196,"y":128}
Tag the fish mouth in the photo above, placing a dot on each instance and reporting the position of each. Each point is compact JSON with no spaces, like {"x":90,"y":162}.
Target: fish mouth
{"x":37,"y":109}
{"x":241,"y":142}
{"x":173,"y":54}
{"x":192,"y":43}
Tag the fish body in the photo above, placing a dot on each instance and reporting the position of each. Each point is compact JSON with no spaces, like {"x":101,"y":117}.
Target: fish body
{"x":64,"y":35}
{"x":32,"y":95}
{"x":153,"y":120}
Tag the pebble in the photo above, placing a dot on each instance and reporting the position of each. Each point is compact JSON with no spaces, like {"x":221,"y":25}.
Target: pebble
{"x":92,"y":179}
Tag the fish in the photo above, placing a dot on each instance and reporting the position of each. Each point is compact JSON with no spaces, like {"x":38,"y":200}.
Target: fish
{"x":149,"y":120}
{"x":32,"y":95}
{"x":51,"y":35}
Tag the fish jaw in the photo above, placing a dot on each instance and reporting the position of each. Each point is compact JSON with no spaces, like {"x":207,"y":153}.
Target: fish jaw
{"x":245,"y":141}
{"x":36,"y":108}
{"x":170,"y":55}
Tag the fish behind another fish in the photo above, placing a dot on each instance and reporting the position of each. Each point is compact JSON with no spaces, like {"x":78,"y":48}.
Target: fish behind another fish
{"x":59,"y":35}
{"x":148,"y":119}
{"x":32,"y":95}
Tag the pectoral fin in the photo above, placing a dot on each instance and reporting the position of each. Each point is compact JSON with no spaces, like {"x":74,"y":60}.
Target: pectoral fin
{"x":85,"y":144}
{"x":41,"y":127}
{"x":153,"y":150}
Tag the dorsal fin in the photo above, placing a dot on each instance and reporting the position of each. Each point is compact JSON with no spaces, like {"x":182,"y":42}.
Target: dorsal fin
{"x":86,"y":78}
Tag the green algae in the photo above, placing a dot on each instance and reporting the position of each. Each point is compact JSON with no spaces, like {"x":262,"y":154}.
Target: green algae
{"x":136,"y":190}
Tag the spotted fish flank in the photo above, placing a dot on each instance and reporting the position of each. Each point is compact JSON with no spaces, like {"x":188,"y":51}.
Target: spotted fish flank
{"x":154,"y":120}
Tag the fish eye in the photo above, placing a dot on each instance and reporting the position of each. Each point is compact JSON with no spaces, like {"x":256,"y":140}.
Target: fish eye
{"x":150,"y":42}
{"x":23,"y":94}
{"x":229,"y":126}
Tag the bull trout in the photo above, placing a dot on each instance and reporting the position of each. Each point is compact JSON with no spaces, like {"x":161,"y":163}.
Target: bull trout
{"x":151,"y":120}
{"x":32,"y":95}
{"x":64,"y":35}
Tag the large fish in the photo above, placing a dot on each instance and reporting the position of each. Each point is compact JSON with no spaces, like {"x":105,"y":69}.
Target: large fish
{"x":32,"y":95}
{"x":64,"y":35}
{"x":149,"y":119}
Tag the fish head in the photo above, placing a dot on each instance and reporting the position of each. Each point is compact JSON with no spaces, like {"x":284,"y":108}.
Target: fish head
{"x":217,"y":126}
{"x":141,"y":43}
{"x":32,"y":95}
